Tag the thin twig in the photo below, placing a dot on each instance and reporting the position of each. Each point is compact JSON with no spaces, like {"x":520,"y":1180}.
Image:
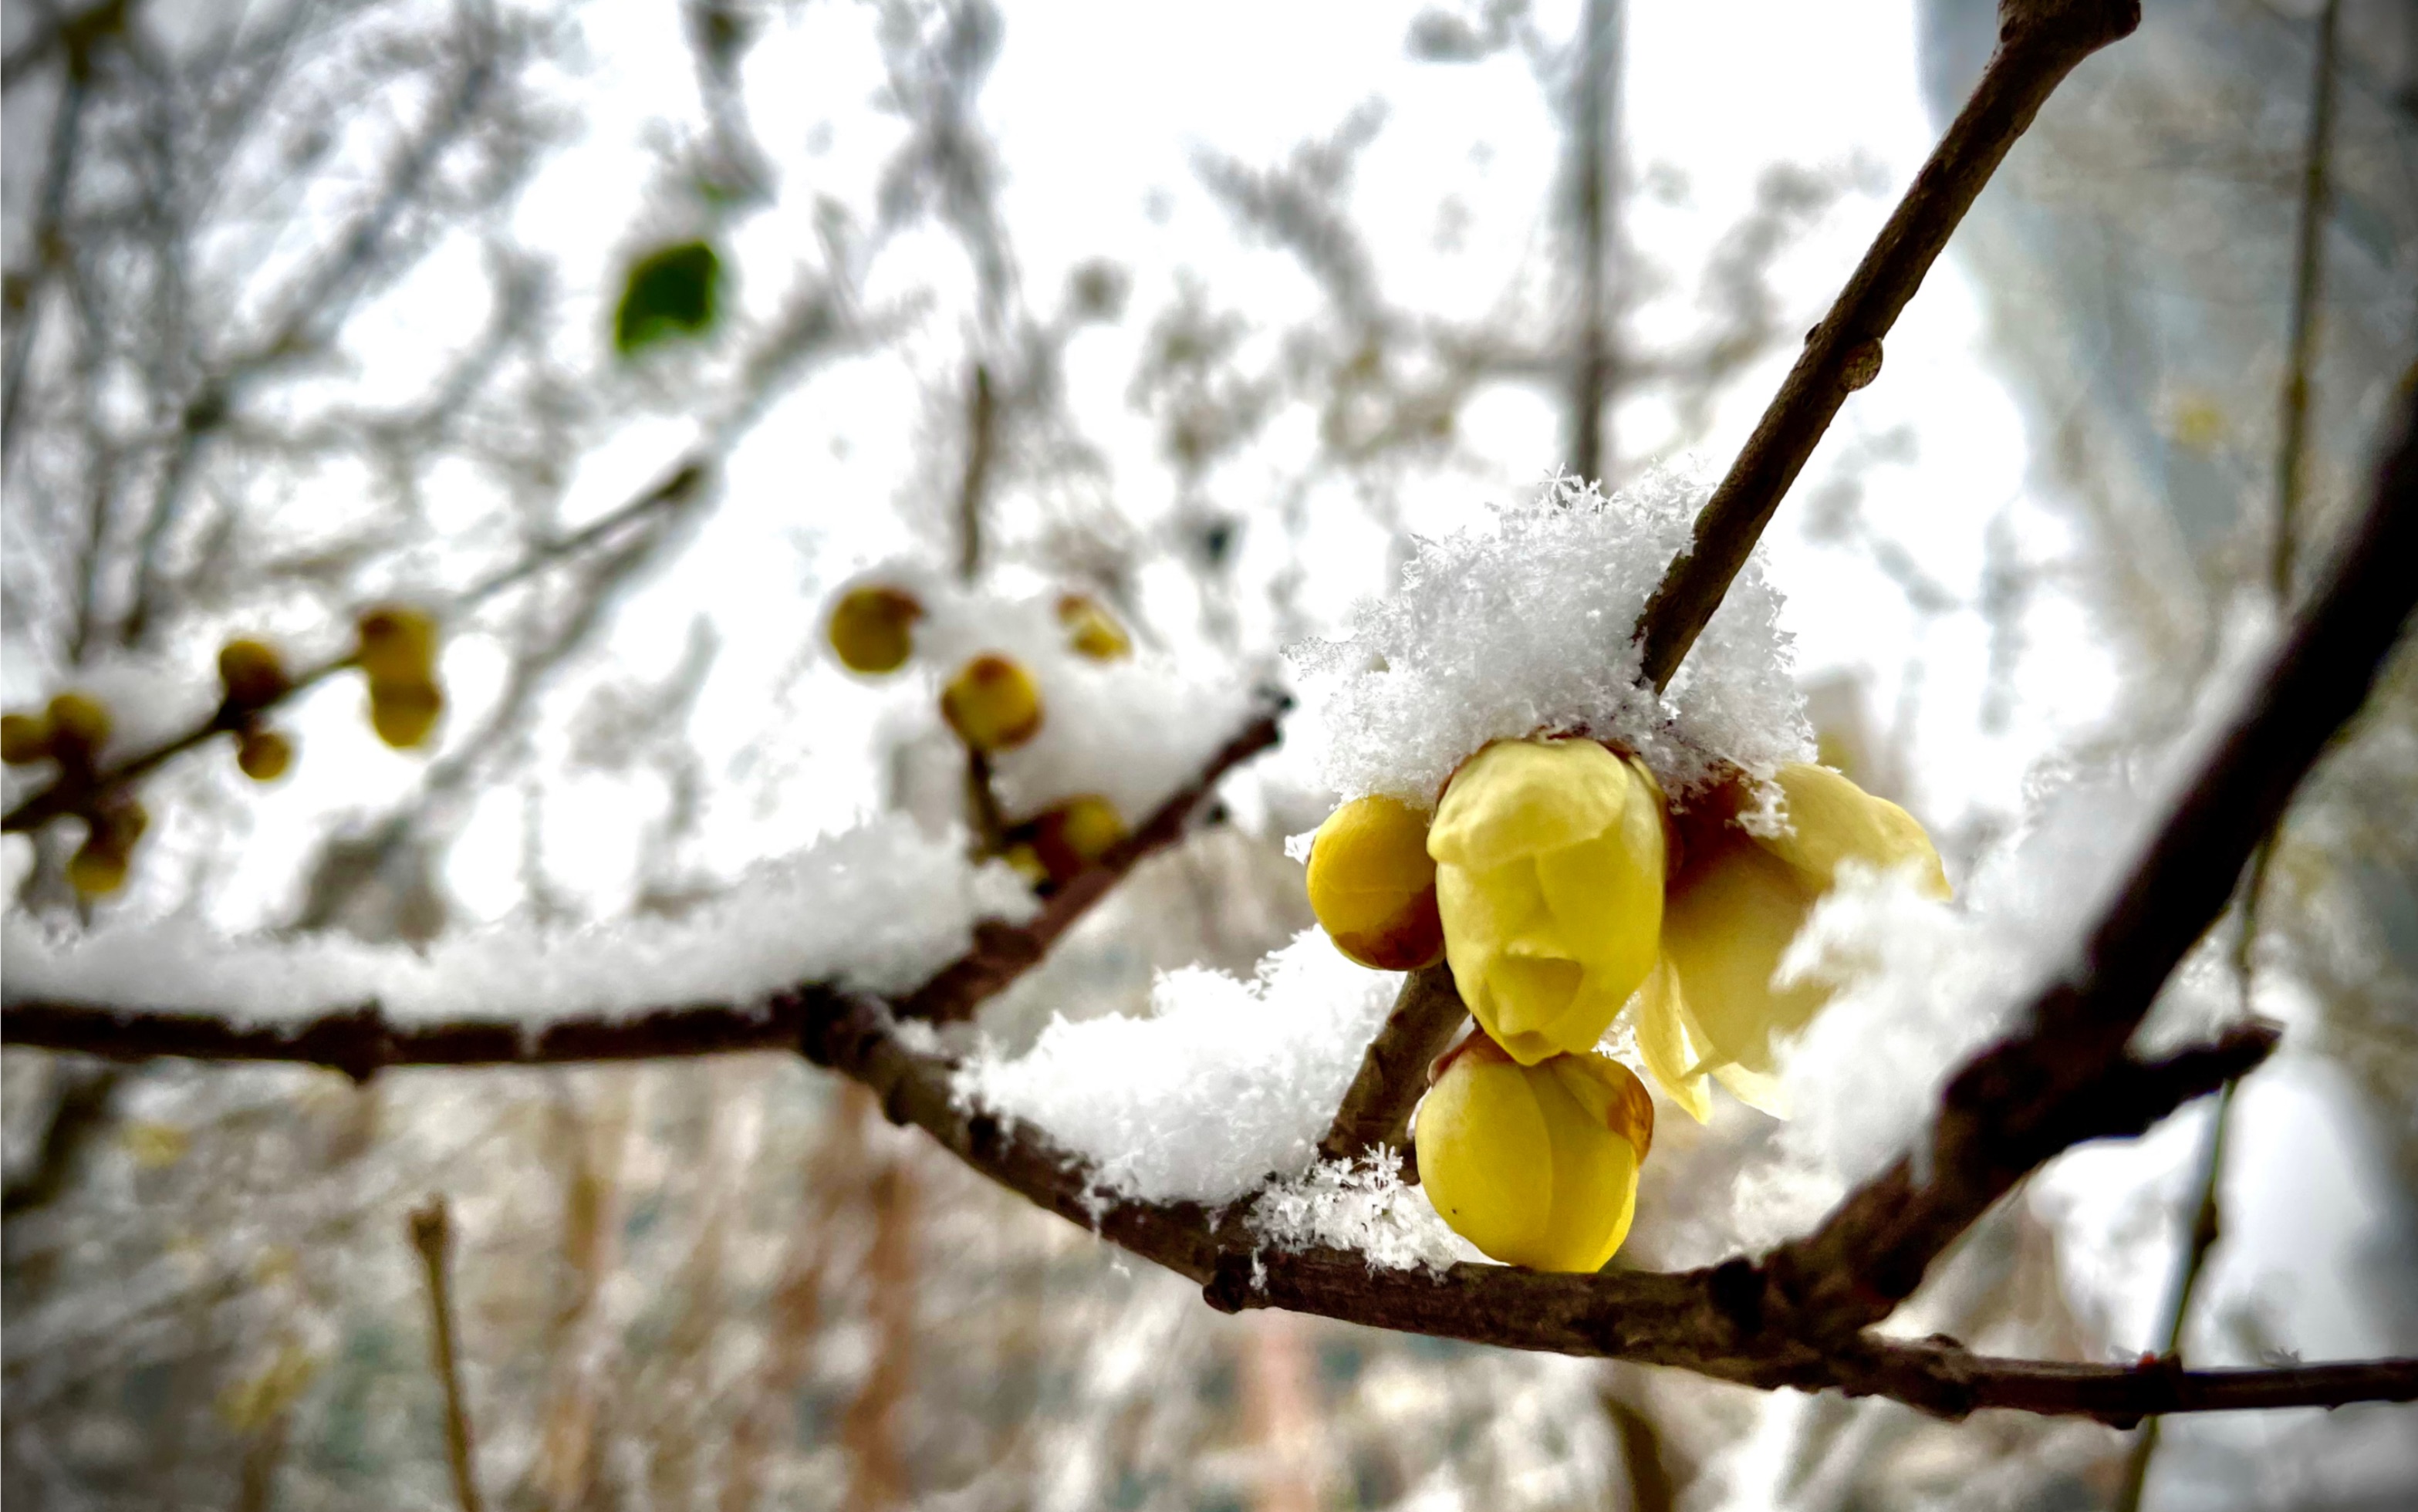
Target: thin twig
{"x":432,"y":1235}
{"x":974,"y":491}
{"x":2040,"y":41}
{"x":80,"y":1111}
{"x":1376,"y":1111}
{"x":1597,"y":201}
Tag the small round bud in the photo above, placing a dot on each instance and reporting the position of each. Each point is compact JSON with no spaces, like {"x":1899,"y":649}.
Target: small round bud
{"x":992,"y":704}
{"x":398,"y":644}
{"x":264,"y":755}
{"x":1374,"y":886}
{"x":95,"y":872}
{"x":404,"y":712}
{"x":1076,"y":834}
{"x":1091,"y":630}
{"x":1536,"y":1165}
{"x":252,"y":672}
{"x":1027,"y":862}
{"x":80,"y":724}
{"x":872,"y":629}
{"x":24,"y":738}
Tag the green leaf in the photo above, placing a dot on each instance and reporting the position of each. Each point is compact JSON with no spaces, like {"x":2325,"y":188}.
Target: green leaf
{"x":673,"y":291}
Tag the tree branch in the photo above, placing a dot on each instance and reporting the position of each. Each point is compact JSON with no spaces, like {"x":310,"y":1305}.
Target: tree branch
{"x":2040,"y":41}
{"x":362,"y":1041}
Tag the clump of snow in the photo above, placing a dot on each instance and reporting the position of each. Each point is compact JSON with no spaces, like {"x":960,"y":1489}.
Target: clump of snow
{"x":1921,"y":988}
{"x":1525,"y":626}
{"x":1359,"y":1205}
{"x":880,"y":906}
{"x":1225,"y":1083}
{"x":1131,"y":730}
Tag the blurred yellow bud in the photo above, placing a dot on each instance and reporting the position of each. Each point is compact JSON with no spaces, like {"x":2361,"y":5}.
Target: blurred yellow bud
{"x":872,"y":630}
{"x":1091,"y":630}
{"x":1076,"y":834}
{"x":252,"y":672}
{"x":99,"y":865}
{"x":1549,"y":880}
{"x":1536,"y":1165}
{"x":1027,"y":863}
{"x":404,"y":712}
{"x":398,"y":644}
{"x":80,"y":725}
{"x":264,"y":755}
{"x":1372,"y":884}
{"x":24,"y":738}
{"x":992,"y":704}
{"x":1735,"y":905}
{"x":155,"y":1146}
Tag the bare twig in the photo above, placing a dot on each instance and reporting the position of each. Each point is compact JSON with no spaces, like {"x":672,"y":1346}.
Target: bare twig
{"x":432,"y":1235}
{"x":81,"y":1112}
{"x":1597,"y":201}
{"x":1376,"y":1111}
{"x":982,"y":414}
{"x":2040,"y":41}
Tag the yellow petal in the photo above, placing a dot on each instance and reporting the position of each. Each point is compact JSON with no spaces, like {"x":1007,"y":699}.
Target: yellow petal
{"x":1485,"y":1160}
{"x":1664,"y":1040}
{"x":1730,"y":916}
{"x":1832,"y":821}
{"x":1374,"y":887}
{"x":1755,"y":1089}
{"x":1517,"y":798}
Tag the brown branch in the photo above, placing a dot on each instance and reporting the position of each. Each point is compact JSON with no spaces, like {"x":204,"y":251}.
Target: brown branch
{"x":432,"y":1235}
{"x":75,"y":791}
{"x":1376,"y":1111}
{"x":2040,"y":41}
{"x":1002,"y":953}
{"x":362,"y":1041}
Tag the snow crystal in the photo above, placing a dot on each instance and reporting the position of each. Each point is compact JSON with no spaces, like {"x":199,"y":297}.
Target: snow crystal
{"x":1360,"y":1205}
{"x":880,"y":906}
{"x":1131,"y":730}
{"x":1226,"y":1082}
{"x":1525,"y":626}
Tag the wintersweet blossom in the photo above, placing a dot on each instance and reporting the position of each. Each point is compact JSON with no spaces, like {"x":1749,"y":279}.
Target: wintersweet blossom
{"x":1736,"y":901}
{"x":1549,"y":880}
{"x":1536,"y":1165}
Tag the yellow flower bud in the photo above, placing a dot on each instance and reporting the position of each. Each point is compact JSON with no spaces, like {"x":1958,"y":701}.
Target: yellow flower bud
{"x":1372,"y":884}
{"x":264,"y":755}
{"x":404,"y":712}
{"x":252,"y":672}
{"x":1549,"y":878}
{"x":1076,"y":834}
{"x":1027,"y":863}
{"x":398,"y":644}
{"x":992,"y":704}
{"x":1536,"y":1165}
{"x":80,"y":725}
{"x":24,"y":738}
{"x":99,"y":865}
{"x":1735,"y":905}
{"x":872,"y":629}
{"x":1091,"y":630}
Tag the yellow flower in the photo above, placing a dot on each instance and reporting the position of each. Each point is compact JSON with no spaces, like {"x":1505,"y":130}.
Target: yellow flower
{"x":1076,"y":834}
{"x":1735,"y":903}
{"x":1548,"y":878}
{"x":405,"y":714}
{"x":398,"y":644}
{"x":264,"y":755}
{"x":1536,"y":1165}
{"x":253,"y":673}
{"x":1374,"y":887}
